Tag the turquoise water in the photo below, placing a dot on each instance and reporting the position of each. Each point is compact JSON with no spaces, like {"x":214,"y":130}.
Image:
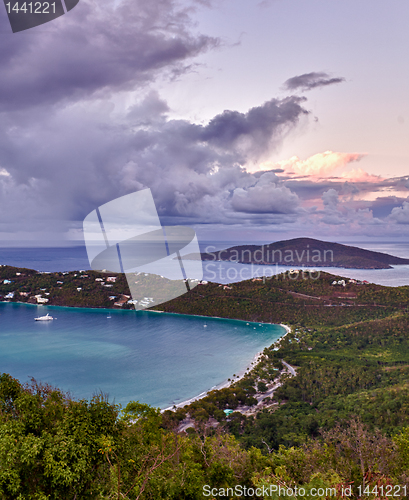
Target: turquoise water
{"x":156,"y":358}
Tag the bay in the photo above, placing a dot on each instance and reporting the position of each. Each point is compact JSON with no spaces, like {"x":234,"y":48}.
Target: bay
{"x":156,"y":358}
{"x":159,"y":359}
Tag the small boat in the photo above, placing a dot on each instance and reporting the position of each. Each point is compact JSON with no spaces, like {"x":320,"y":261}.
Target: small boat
{"x":47,"y":317}
{"x":109,"y":317}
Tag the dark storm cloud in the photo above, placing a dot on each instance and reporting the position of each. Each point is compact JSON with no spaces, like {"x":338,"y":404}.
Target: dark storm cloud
{"x":261,"y":123}
{"x":96,"y":49}
{"x":94,"y":155}
{"x":309,"y":81}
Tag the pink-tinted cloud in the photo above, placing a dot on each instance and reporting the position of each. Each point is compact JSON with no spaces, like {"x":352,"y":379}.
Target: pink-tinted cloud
{"x":359,"y":175}
{"x":318,"y":165}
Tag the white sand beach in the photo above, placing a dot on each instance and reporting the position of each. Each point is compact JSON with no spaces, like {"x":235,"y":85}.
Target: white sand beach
{"x":227,"y":383}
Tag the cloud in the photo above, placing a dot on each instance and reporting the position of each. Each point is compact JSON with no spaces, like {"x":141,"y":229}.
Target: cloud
{"x":338,"y":211}
{"x":80,"y":126}
{"x":359,"y":175}
{"x":330,"y":199}
{"x":332,"y":214}
{"x":309,"y":81}
{"x":96,"y":49}
{"x":256,"y":130}
{"x":318,"y":165}
{"x":94,"y":153}
{"x":382,"y":206}
{"x":265,"y":197}
{"x":400,"y":214}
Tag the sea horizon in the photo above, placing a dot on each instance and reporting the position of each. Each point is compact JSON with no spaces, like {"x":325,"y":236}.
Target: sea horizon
{"x":63,"y":259}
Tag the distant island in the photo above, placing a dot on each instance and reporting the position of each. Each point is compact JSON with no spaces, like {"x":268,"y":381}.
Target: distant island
{"x":305,"y":252}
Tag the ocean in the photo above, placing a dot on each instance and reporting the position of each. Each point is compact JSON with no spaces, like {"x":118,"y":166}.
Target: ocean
{"x":75,"y":258}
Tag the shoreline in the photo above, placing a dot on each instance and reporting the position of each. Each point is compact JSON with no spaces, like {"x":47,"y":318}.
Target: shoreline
{"x":104,"y":309}
{"x":138,"y":311}
{"x":226,"y":383}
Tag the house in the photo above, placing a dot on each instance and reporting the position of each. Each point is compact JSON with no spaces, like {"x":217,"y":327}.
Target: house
{"x":147,"y":301}
{"x":123,"y":300}
{"x":294,"y":271}
{"x":10,"y":295}
{"x":40,"y":299}
{"x":79,"y":289}
{"x":99,"y":279}
{"x":111,"y":279}
{"x":24,"y":294}
{"x":7,"y":282}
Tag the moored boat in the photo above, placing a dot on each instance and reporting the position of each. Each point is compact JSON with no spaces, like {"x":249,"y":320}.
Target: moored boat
{"x":47,"y":317}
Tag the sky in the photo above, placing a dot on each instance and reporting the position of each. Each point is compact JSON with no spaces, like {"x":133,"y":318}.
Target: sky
{"x":249,"y":121}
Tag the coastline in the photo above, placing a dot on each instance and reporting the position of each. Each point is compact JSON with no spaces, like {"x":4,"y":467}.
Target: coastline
{"x":143,"y":311}
{"x":226,"y":383}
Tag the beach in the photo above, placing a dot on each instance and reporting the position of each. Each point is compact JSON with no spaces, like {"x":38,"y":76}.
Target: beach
{"x":227,"y":383}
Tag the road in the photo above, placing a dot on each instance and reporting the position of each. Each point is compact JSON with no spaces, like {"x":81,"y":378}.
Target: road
{"x":247,"y":410}
{"x":290,"y":368}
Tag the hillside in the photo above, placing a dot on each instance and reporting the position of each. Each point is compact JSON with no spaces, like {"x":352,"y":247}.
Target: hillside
{"x":349,"y":345}
{"x":306,"y":252}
